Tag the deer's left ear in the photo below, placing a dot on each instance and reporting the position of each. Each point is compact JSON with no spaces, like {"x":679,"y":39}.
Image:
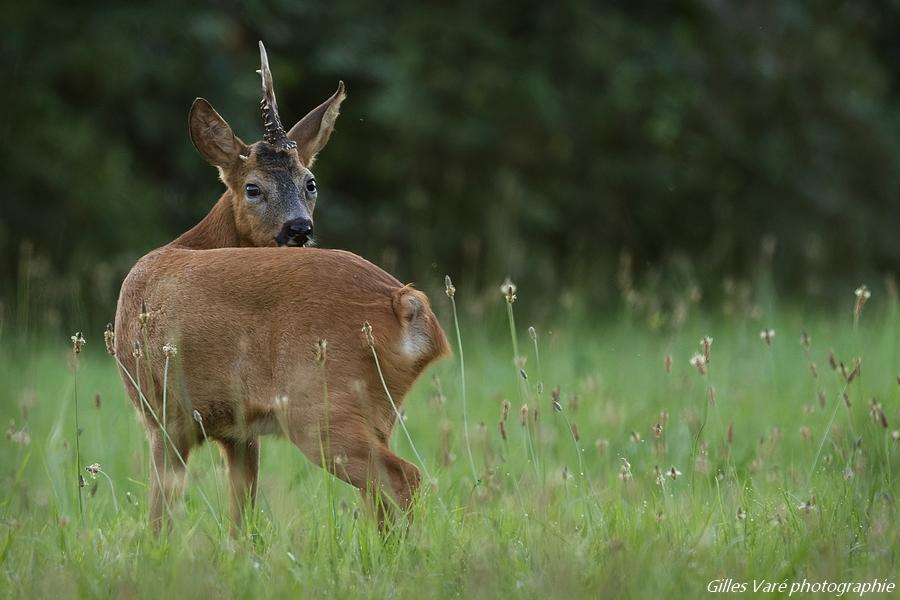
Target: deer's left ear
{"x":311,"y":133}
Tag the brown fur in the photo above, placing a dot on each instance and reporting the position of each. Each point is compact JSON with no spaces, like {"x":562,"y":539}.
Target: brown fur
{"x":246,"y":323}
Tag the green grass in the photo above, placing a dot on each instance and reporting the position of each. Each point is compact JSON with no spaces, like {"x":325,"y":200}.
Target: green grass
{"x":742,"y":507}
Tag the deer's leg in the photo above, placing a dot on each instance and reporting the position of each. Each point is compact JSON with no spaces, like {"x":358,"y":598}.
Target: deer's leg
{"x":384,"y":478}
{"x":243,"y":471}
{"x":403,"y":477}
{"x":167,"y":474}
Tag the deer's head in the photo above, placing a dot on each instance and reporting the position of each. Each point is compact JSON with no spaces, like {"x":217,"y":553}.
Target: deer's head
{"x":273,"y":191}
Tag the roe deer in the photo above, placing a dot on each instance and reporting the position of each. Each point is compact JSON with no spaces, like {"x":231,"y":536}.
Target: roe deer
{"x":246,"y":323}
{"x":271,"y":191}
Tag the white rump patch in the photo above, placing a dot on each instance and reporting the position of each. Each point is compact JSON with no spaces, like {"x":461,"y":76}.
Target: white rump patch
{"x":415,"y":345}
{"x":416,"y":342}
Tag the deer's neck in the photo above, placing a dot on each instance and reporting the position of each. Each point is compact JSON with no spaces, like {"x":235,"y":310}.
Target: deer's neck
{"x":215,"y":230}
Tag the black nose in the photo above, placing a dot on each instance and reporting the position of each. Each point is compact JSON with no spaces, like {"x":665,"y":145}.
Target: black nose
{"x":296,"y":232}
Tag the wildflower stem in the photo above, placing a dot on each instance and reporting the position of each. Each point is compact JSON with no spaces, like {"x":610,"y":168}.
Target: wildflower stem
{"x":396,"y":410}
{"x":112,"y":489}
{"x":77,"y":445}
{"x":826,"y":433}
{"x":462,"y":388}
{"x":212,"y":455}
{"x":169,"y":439}
{"x":519,"y":384}
{"x":164,"y":396}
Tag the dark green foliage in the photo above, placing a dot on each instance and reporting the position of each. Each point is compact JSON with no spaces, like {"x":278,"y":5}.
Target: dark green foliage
{"x":536,"y":139}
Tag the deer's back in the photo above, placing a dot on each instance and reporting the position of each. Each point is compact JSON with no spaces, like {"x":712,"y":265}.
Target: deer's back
{"x":247,"y":322}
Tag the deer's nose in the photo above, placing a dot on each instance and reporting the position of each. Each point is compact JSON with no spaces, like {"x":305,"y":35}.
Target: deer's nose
{"x":296,"y":232}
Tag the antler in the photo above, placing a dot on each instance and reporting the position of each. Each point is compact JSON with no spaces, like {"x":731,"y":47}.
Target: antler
{"x":274,"y":130}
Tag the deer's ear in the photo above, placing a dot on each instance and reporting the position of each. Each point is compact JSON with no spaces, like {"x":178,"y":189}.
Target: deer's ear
{"x":311,"y":133}
{"x":212,"y":137}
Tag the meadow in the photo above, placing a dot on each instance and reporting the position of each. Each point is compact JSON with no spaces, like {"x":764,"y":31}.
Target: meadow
{"x":639,"y":454}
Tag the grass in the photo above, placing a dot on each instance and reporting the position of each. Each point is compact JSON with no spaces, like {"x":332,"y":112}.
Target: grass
{"x":742,"y":472}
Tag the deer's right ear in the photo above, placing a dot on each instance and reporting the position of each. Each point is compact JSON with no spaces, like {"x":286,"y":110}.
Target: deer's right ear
{"x":311,"y":133}
{"x":212,"y":137}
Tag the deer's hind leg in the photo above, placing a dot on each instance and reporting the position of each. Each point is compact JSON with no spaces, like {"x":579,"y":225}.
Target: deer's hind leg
{"x":243,"y":471}
{"x":357,"y":456}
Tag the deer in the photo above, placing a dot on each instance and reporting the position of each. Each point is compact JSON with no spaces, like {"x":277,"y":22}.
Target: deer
{"x":246,"y":318}
{"x":231,"y":345}
{"x":270,"y":191}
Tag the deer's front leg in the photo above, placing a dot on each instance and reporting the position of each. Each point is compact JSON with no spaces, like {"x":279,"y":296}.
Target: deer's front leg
{"x":167,"y":475}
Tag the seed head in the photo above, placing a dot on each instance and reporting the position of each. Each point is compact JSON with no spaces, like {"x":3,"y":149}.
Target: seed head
{"x":852,"y":373}
{"x":876,"y":412}
{"x":806,"y":433}
{"x":575,"y":435}
{"x":19,"y":437}
{"x":741,"y":514}
{"x":109,"y":338}
{"x":895,"y":435}
{"x":657,"y":430}
{"x":805,"y":340}
{"x":635,"y":437}
{"x":502,"y":425}
{"x":674,"y":473}
{"x":93,"y":470}
{"x":767,"y":335}
{"x":448,"y":287}
{"x":862,"y":294}
{"x":508,"y":289}
{"x":705,"y":346}
{"x":667,"y":363}
{"x":321,"y":351}
{"x":699,"y":362}
{"x":505,"y":410}
{"x":144,"y":315}
{"x":532,"y":334}
{"x":78,"y":343}
{"x":136,"y":350}
{"x":197,"y":416}
{"x":625,"y":470}
{"x":808,"y":506}
{"x":554,"y":395}
{"x":523,"y":415}
{"x":367,"y":331}
{"x":170,"y":350}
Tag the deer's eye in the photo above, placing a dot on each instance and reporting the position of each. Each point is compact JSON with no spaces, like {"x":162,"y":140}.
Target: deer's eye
{"x":253,"y":190}
{"x":311,"y":186}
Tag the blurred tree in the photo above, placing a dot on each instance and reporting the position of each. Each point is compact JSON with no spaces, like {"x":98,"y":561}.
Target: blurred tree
{"x":536,"y":139}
